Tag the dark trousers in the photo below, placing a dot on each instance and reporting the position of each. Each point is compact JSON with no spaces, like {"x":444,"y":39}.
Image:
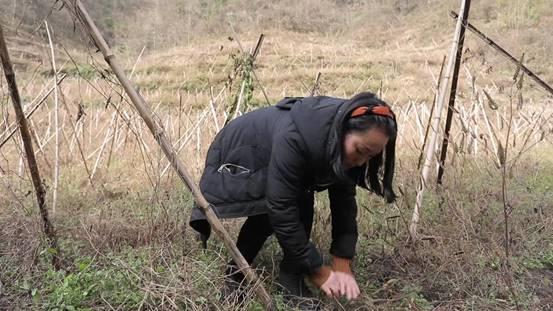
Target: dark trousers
{"x":256,"y":229}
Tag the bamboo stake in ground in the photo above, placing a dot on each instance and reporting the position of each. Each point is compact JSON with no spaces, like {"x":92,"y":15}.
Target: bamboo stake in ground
{"x":159,"y":134}
{"x":453,"y":93}
{"x":419,"y":162}
{"x":435,"y":129}
{"x":28,"y":145}
{"x":56,"y":122}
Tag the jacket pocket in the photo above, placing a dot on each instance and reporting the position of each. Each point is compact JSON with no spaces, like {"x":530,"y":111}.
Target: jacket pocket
{"x":240,"y":184}
{"x":233,"y":169}
{"x":243,"y":174}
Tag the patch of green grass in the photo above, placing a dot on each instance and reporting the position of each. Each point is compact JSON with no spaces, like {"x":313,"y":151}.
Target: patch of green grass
{"x":85,"y":71}
{"x":90,"y":283}
{"x":195,"y":84}
{"x":84,"y":285}
{"x":542,"y":260}
{"x":156,"y":69}
{"x":414,"y":299}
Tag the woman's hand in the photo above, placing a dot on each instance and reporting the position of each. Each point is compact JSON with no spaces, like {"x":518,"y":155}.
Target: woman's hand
{"x":331,"y":287}
{"x":347,"y":285}
{"x":341,"y":284}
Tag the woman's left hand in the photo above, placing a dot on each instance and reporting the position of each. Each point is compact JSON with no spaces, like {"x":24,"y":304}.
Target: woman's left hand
{"x":348,"y":285}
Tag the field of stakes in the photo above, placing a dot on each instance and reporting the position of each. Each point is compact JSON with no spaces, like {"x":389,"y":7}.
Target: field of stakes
{"x":121,"y":212}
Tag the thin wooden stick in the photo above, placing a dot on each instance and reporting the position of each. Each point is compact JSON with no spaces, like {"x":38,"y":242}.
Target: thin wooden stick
{"x":167,"y":148}
{"x":256,"y":52}
{"x":76,"y":136}
{"x":507,"y":208}
{"x":34,"y":135}
{"x":116,"y":127}
{"x":212,"y":102}
{"x":109,"y":135}
{"x":136,"y":62}
{"x":316,"y":85}
{"x":48,"y":227}
{"x":496,"y":143}
{"x":418,"y":123}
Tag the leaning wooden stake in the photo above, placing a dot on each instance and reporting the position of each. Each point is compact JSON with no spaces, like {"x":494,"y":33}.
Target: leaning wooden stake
{"x":159,"y":134}
{"x":435,"y":129}
{"x":453,"y":93}
{"x":510,"y":57}
{"x":28,"y":145}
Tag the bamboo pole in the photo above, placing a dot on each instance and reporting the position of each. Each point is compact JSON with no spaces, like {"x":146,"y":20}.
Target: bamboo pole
{"x":167,"y":148}
{"x":419,"y":162}
{"x":56,"y":122}
{"x":501,"y":50}
{"x":48,"y":228}
{"x":453,"y":92}
{"x":427,"y":164}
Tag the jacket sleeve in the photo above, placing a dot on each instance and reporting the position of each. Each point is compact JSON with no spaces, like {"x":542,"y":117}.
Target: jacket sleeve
{"x":285,"y":182}
{"x":344,"y":220}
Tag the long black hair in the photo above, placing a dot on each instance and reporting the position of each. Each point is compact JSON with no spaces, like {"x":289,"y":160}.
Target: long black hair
{"x":362,"y":123}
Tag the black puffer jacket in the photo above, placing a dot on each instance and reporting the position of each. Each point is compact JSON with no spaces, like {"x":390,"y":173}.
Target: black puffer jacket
{"x":264,"y":160}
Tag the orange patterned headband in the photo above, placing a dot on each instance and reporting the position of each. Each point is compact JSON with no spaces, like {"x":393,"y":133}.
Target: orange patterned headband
{"x":383,"y":111}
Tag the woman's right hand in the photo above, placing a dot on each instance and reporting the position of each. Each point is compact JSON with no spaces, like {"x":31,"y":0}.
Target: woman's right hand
{"x":341,"y":284}
{"x":347,"y":285}
{"x":331,"y":287}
